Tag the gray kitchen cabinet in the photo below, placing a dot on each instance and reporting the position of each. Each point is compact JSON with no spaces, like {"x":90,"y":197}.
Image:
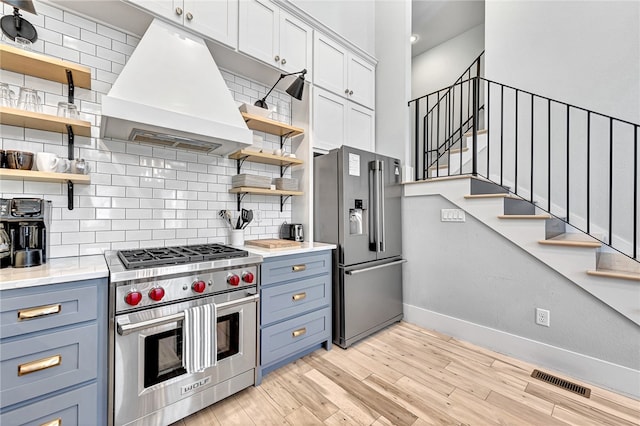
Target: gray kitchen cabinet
{"x":295,"y":308}
{"x":53,"y":343}
{"x":217,"y":20}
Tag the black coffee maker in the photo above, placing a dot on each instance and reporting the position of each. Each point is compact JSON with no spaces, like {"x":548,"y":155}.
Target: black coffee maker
{"x":25,"y":221}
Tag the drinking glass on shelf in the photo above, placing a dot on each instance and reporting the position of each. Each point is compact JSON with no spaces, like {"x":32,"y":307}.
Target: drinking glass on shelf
{"x":29,"y":100}
{"x":68,"y":110}
{"x":8,"y":98}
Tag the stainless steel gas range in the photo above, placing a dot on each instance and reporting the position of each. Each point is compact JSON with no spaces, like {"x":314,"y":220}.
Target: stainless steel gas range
{"x":168,"y":357}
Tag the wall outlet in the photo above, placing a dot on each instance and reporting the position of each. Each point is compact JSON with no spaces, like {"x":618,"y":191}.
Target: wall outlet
{"x":452,"y":215}
{"x":543,"y":317}
{"x":257,"y":216}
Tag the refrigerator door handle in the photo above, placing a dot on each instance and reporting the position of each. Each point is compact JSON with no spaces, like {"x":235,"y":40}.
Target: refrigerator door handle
{"x":360,"y":271}
{"x":373,"y":208}
{"x":381,"y":243}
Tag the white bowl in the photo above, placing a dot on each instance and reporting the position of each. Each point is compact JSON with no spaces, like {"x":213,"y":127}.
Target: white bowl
{"x":254,"y":110}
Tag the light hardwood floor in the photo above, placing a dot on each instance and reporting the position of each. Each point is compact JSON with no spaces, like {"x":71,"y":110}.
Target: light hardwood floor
{"x":406,"y":375}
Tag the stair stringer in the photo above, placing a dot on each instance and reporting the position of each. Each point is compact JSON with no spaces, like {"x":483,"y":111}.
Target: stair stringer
{"x":571,"y":262}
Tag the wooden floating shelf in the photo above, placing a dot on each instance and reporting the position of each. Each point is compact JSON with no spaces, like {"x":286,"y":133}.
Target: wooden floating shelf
{"x":42,"y":66}
{"x":261,"y":157}
{"x":262,"y":191}
{"x":48,"y":122}
{"x":261,"y":124}
{"x":43,"y":176}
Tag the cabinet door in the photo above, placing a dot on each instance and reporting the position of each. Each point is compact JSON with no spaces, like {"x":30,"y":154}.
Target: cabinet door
{"x":165,"y":8}
{"x":361,"y":81}
{"x":329,"y":113}
{"x":360,"y":127}
{"x":329,"y":65}
{"x":215,"y":19}
{"x":258,"y":30}
{"x":295,"y":45}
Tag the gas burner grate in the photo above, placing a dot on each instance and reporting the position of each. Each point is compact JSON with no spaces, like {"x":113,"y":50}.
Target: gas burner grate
{"x":142,"y":258}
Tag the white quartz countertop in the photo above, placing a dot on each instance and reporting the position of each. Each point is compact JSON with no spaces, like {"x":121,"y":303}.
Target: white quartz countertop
{"x":307,"y":247}
{"x":55,"y":271}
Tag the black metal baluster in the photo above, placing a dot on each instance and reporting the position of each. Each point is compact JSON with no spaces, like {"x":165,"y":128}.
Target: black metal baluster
{"x":549,"y":154}
{"x":417,"y":138}
{"x":474,"y":154}
{"x":635,"y":192}
{"x":532,"y":121}
{"x":610,"y":180}
{"x":447,"y":143}
{"x":438,"y":137}
{"x":588,"y":170}
{"x":501,"y":133}
{"x":462,"y":138}
{"x":515,"y":184}
{"x":568,"y":160}
{"x":487,"y":126}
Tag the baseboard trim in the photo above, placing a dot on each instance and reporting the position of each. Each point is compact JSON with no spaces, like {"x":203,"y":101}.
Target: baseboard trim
{"x":601,"y":373}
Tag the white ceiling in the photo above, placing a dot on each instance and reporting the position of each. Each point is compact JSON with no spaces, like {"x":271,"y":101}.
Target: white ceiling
{"x":436,"y":21}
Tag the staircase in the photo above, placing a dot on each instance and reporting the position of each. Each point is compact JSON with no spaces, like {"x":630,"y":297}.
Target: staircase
{"x":608,"y":275}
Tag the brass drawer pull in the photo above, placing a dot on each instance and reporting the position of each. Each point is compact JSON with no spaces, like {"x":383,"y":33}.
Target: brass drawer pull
{"x":39,"y":311}
{"x":298,"y":296}
{"x":299,"y":332}
{"x":56,"y":422}
{"x":298,"y":268}
{"x":41,"y":364}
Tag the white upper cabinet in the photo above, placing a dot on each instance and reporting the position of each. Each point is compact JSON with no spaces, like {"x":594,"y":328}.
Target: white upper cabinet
{"x":217,"y":20}
{"x":274,"y":36}
{"x":343,"y":72}
{"x":338,"y":121}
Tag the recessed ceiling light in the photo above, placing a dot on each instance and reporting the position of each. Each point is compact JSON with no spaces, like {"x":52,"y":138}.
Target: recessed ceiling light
{"x":414,"y":38}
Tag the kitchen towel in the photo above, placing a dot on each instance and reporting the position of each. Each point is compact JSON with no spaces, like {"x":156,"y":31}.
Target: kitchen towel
{"x":200,"y":347}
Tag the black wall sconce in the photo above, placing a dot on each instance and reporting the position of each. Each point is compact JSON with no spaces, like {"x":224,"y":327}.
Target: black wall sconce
{"x":295,"y":89}
{"x":14,"y":25}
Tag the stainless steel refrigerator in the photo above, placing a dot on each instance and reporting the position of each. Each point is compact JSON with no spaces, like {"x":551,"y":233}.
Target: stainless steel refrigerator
{"x":357,"y":202}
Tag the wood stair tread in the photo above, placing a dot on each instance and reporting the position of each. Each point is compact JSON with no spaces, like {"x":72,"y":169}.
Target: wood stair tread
{"x":608,"y":273}
{"x":480,"y":132}
{"x":572,"y":240}
{"x":524,"y":216}
{"x":501,"y":195}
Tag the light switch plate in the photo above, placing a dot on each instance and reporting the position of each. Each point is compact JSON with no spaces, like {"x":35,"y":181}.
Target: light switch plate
{"x":452,"y":215}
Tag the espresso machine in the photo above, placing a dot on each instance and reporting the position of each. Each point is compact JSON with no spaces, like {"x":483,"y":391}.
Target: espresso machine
{"x":24,"y":222}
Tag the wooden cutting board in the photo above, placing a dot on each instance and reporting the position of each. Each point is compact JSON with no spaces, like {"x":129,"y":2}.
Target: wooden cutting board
{"x":273,"y":243}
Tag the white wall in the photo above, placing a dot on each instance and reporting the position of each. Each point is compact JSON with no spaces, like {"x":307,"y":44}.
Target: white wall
{"x":352,"y":19}
{"x":393,"y":78}
{"x":140,"y":195}
{"x":585,"y":53}
{"x":441,"y":66}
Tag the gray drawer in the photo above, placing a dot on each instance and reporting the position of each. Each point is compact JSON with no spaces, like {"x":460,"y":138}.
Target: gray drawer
{"x":48,"y":306}
{"x":294,"y":267}
{"x":281,"y":340}
{"x":74,"y":408}
{"x":286,"y":300}
{"x":76,"y":348}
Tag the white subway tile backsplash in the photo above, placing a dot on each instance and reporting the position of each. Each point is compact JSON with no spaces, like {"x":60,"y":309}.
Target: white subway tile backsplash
{"x":140,"y":195}
{"x":112,"y":33}
{"x":78,"y":21}
{"x":109,"y":236}
{"x":94,"y":38}
{"x":111,"y":213}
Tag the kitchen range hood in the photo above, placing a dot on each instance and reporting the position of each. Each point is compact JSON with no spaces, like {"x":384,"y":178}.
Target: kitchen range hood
{"x":171,"y":93}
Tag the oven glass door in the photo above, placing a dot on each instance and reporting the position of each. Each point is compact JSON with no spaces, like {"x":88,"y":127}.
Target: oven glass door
{"x":163,"y":351}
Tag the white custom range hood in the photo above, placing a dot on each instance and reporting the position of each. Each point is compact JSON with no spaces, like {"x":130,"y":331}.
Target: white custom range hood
{"x":171,"y":92}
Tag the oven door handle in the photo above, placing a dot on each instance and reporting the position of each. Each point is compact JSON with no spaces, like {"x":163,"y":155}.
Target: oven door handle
{"x":124,"y":329}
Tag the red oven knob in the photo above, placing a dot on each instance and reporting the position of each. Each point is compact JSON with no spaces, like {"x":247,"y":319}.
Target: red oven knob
{"x":233,"y":280}
{"x":199,"y":286}
{"x":247,"y":277}
{"x":133,"y":298}
{"x":156,"y":293}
